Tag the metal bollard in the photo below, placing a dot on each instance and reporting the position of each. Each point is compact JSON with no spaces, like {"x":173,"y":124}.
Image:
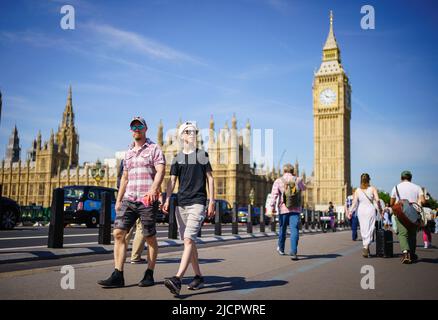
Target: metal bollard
{"x":56,"y":228}
{"x":319,"y":220}
{"x":173,"y":225}
{"x":262,"y":219}
{"x":313,"y":219}
{"x":273,"y":222}
{"x":1,"y":190}
{"x":306,"y":220}
{"x":235,"y":225}
{"x":199,"y":235}
{"x":105,"y":219}
{"x":217,"y":221}
{"x":249,"y":219}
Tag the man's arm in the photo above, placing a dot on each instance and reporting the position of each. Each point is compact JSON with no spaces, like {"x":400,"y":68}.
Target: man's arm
{"x":274,"y":196}
{"x":170,"y":186}
{"x":211,"y":204}
{"x":122,"y":189}
{"x":156,"y":185}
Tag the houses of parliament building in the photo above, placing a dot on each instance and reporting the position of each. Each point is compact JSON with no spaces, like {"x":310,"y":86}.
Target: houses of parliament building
{"x":55,"y":163}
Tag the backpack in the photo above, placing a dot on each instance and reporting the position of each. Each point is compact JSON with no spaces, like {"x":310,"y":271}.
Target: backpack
{"x":291,"y":194}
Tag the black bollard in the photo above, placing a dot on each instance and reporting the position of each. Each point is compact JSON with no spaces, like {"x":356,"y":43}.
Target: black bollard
{"x":218,"y":221}
{"x":306,"y":219}
{"x":312,"y":219}
{"x":56,"y":228}
{"x":262,"y":219}
{"x":105,"y":219}
{"x":173,"y":226}
{"x":249,"y":219}
{"x":273,"y":222}
{"x":1,"y":190}
{"x":318,"y":217}
{"x":235,"y":224}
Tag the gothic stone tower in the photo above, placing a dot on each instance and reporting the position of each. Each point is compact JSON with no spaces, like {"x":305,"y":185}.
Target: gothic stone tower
{"x":332,"y":114}
{"x":13,"y":149}
{"x":66,"y":137}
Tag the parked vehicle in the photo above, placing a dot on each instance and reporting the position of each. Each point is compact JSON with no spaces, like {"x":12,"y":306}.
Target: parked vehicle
{"x":82,"y":204}
{"x":10,"y":213}
{"x":225,"y":211}
{"x":242,"y":215}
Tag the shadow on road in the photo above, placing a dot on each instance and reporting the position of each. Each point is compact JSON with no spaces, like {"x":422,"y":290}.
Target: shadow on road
{"x":319,"y":256}
{"x":216,"y":284}
{"x":178,"y":260}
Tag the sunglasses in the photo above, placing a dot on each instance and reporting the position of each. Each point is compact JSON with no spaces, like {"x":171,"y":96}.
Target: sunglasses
{"x":189,"y":132}
{"x":138,"y":127}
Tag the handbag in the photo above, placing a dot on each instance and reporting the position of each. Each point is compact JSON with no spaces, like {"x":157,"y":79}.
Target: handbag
{"x":408,"y":213}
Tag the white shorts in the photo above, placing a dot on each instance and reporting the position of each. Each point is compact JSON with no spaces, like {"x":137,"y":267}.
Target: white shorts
{"x":189,"y":219}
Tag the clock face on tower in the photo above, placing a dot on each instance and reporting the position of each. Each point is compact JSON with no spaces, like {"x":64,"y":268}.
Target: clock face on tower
{"x":327,"y":97}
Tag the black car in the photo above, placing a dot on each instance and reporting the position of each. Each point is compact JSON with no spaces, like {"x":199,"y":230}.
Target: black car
{"x":225,"y":211}
{"x":9,"y":213}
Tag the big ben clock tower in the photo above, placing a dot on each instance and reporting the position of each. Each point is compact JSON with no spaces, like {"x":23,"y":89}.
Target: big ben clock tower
{"x":332,"y":114}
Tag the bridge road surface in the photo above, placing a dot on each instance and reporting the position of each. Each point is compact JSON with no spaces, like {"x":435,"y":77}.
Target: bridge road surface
{"x":329,"y":268}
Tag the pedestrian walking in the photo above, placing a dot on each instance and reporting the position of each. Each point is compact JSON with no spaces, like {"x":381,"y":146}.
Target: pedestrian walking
{"x":364,"y":201}
{"x":192,"y":169}
{"x":407,"y":234}
{"x":288,"y":190}
{"x":143,"y":172}
{"x":352,"y":216}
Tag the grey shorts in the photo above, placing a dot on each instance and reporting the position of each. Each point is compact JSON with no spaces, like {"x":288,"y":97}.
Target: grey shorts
{"x":129,"y":213}
{"x":190,"y":220}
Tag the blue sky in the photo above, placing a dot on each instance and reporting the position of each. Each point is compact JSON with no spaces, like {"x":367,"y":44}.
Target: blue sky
{"x":168,"y":59}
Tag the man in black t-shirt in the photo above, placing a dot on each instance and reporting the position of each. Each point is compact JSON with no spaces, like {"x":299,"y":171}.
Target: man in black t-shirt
{"x":193,"y":170}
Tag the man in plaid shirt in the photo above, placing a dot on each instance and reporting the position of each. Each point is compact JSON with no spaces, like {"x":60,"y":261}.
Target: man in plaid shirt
{"x":143,"y":172}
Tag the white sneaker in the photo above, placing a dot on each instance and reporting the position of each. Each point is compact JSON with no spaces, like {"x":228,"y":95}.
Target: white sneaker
{"x":281,"y":253}
{"x":426,"y":245}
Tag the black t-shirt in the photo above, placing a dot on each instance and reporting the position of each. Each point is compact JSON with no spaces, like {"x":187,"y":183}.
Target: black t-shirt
{"x":191,"y":170}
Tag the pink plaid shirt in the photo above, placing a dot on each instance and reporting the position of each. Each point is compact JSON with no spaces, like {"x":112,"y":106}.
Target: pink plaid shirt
{"x":140,"y":166}
{"x":278,"y":190}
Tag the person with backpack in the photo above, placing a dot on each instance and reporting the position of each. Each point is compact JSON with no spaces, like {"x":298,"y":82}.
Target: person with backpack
{"x":288,"y":190}
{"x":363,"y":203}
{"x":407,"y":232}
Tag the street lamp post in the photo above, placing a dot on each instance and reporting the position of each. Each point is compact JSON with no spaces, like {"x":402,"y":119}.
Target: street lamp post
{"x":98,"y":172}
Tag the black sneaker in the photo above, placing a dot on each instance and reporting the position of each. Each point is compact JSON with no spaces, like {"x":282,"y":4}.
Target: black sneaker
{"x":116,"y":280}
{"x":148,"y":279}
{"x":294,"y":257}
{"x":414,"y":257}
{"x":197,"y":283}
{"x":173,"y":284}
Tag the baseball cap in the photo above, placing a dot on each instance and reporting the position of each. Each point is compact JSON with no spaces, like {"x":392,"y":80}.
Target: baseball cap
{"x":187,"y":125}
{"x":139,"y":119}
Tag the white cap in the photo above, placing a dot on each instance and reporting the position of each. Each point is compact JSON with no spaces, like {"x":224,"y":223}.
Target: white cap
{"x":187,"y":125}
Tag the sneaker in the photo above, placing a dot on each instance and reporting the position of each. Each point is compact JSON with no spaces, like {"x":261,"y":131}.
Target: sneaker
{"x":426,"y":245}
{"x":414,"y":257}
{"x":138,"y":261}
{"x":280,"y":252}
{"x":197,"y":283}
{"x":173,"y":284}
{"x":294,"y":257}
{"x":148,"y":279}
{"x":365,"y":253}
{"x":116,"y":280}
{"x":406,"y":259}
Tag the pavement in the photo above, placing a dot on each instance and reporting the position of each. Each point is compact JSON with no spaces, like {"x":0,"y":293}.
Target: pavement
{"x":20,"y":253}
{"x":330,"y":267}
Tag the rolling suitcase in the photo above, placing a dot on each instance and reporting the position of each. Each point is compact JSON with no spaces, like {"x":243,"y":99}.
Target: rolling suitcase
{"x":384,"y":242}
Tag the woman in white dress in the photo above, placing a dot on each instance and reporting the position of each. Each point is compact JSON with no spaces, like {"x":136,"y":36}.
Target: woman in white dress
{"x":364,"y":201}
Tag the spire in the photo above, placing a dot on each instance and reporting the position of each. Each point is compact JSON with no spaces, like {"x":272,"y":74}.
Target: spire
{"x":248,"y":125}
{"x":211,"y":123}
{"x":234,"y":122}
{"x":160,"y":134}
{"x":68,"y":116}
{"x":13,"y":149}
{"x":331,"y":43}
